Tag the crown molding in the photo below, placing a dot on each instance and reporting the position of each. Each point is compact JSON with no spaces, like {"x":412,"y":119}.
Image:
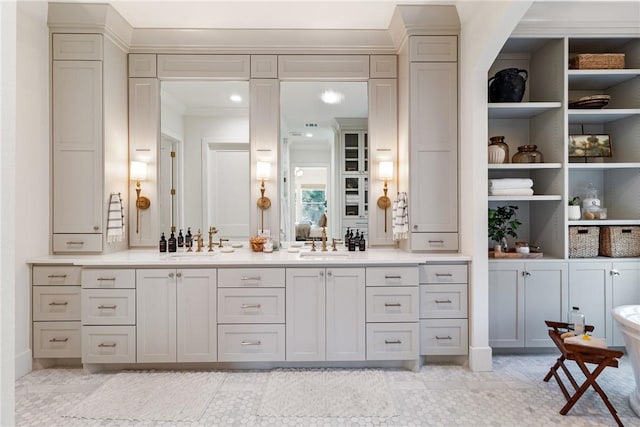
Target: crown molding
{"x":422,"y":20}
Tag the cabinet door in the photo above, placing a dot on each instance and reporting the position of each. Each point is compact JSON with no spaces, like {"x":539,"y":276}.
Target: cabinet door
{"x":506,"y":305}
{"x":77,"y":146}
{"x":434,"y":147}
{"x":345,"y":320}
{"x":156,"y":315}
{"x":196,"y":315}
{"x":545,"y":298}
{"x":625,"y":289}
{"x":590,"y":283}
{"x":305,"y":309}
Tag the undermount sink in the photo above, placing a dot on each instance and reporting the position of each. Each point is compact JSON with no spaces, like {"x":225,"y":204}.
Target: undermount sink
{"x":320,"y":254}
{"x":192,"y":254}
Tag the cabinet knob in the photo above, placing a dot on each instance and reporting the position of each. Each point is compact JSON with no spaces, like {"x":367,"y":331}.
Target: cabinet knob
{"x":171,"y":275}
{"x":615,"y":273}
{"x":178,"y":274}
{"x":96,"y":228}
{"x":329,"y":273}
{"x":415,"y":227}
{"x":321,"y":273}
{"x":526,"y":273}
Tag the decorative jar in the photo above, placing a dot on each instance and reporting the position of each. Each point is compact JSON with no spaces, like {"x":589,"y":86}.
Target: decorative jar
{"x":528,"y":154}
{"x":497,"y":143}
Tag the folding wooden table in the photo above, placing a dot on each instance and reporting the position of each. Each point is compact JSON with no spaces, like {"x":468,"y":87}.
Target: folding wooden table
{"x":581,"y":354}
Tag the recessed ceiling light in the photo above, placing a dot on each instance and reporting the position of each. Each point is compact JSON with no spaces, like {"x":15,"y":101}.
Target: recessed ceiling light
{"x":235,"y":98}
{"x":332,"y":97}
{"x":308,"y":135}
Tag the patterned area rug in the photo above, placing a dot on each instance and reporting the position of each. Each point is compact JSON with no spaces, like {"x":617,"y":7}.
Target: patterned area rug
{"x":151,"y":396}
{"x":327,"y":393}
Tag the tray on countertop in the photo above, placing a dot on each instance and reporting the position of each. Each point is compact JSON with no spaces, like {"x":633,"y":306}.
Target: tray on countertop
{"x":514,"y":255}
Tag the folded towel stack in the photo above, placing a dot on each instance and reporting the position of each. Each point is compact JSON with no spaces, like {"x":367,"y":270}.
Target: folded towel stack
{"x":511,"y":187}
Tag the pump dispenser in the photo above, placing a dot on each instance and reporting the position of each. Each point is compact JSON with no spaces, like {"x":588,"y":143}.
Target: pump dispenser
{"x":172,"y":243}
{"x":163,"y":243}
{"x":180,"y":239}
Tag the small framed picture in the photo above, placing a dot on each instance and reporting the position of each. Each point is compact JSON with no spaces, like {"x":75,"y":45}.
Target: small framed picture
{"x":589,"y":146}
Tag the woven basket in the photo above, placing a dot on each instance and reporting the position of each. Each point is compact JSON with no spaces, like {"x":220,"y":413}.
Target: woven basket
{"x":597,"y":61}
{"x":257,"y":243}
{"x":583,"y":242}
{"x":620,"y":241}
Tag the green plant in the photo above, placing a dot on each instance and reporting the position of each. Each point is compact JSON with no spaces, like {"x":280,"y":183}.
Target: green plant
{"x":575,"y":201}
{"x":502,"y":222}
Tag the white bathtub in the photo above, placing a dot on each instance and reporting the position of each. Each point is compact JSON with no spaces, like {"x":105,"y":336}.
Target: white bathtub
{"x":628,"y":318}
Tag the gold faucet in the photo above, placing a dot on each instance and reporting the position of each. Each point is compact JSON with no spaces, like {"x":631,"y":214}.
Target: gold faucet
{"x":222,"y":240}
{"x":324,"y":239}
{"x":198,"y":238}
{"x":212,"y":231}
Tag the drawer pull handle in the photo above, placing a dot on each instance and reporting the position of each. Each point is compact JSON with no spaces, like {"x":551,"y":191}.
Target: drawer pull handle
{"x":392,"y":342}
{"x":59,"y":340}
{"x":250,"y":343}
{"x":111,"y":345}
{"x":444,"y":275}
{"x":444,"y":338}
{"x":392,"y":304}
{"x":250,"y":306}
{"x":75,"y":243}
{"x":57,"y":276}
{"x":108,"y":307}
{"x":250,"y":278}
{"x":105,"y":279}
{"x":58,"y":303}
{"x":443,"y":301}
{"x":393,"y":277}
{"x":436,"y":241}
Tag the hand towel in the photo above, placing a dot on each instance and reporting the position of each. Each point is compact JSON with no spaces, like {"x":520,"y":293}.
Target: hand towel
{"x":586,"y":340}
{"x":505,"y":183}
{"x":115,"y":219}
{"x":512,"y":192}
{"x":400,"y":217}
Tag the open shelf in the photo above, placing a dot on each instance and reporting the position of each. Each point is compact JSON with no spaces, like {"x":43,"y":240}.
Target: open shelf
{"x":599,"y":79}
{"x":534,"y":198}
{"x":601,"y":116}
{"x":520,"y":110}
{"x":524,"y":166}
{"x":630,"y":165}
{"x":606,"y":222}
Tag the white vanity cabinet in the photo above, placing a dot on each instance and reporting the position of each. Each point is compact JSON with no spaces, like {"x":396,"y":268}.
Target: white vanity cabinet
{"x":597,"y":287}
{"x":521,"y":297}
{"x":89,"y":129}
{"x":251,"y":314}
{"x":325,"y":311}
{"x":56,"y":311}
{"x":176,"y":315}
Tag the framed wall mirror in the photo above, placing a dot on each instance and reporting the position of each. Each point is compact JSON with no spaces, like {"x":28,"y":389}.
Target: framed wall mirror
{"x":205,"y":124}
{"x":324,"y":158}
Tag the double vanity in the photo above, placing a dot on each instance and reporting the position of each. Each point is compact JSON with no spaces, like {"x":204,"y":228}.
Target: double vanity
{"x":141,"y":307}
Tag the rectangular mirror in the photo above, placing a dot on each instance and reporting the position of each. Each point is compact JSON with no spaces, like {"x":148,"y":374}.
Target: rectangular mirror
{"x":205,"y":182}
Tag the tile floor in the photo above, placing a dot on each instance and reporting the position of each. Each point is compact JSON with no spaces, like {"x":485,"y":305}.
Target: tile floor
{"x":513,"y":394}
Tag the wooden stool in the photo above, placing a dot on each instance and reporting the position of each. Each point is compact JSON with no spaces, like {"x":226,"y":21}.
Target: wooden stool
{"x":582,"y":355}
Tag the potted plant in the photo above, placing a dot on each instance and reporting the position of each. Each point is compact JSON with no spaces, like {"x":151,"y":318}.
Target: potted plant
{"x":502,"y":223}
{"x":574,"y":209}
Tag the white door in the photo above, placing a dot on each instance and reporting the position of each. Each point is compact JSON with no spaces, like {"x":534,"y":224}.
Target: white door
{"x":196,"y":312}
{"x":625,"y":290}
{"x":345,"y":320}
{"x":545,"y":298}
{"x":506,"y":305}
{"x":305,"y":314}
{"x":589,"y":287}
{"x":156,"y":315}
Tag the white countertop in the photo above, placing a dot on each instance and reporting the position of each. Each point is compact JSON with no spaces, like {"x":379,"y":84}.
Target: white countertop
{"x":244,"y":256}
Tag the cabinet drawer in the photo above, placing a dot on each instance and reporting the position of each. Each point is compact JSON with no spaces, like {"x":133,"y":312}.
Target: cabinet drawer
{"x":392,"y":304}
{"x":392,"y":341}
{"x":249,"y":343}
{"x":251,"y":278}
{"x":250,"y":305}
{"x":443,"y":273}
{"x":56,"y":339}
{"x":56,"y":303}
{"x":443,"y":301}
{"x":56,"y":275}
{"x":108,"y":307}
{"x":71,"y":243}
{"x":77,"y":47}
{"x":444,"y":336}
{"x":390,"y":276}
{"x":108,"y":344}
{"x":433,"y":48}
{"x":107,"y":279}
{"x":434,"y":241}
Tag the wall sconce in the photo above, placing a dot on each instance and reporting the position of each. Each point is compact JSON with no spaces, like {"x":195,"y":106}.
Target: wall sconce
{"x":138,"y":171}
{"x":263,"y":172}
{"x":385,"y":173}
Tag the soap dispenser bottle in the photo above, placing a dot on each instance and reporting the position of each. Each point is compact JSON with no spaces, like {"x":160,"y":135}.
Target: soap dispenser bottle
{"x":172,"y":243}
{"x":362,"y":244}
{"x":347,"y":236}
{"x":180,"y":239}
{"x":188,"y":238}
{"x":163,"y":243}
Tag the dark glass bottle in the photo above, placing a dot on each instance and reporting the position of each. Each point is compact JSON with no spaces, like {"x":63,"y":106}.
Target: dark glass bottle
{"x":188,"y":237}
{"x":180,"y":239}
{"x":352,"y":244}
{"x":347,"y":235}
{"x":362,"y":245}
{"x":172,"y":243}
{"x":163,"y":243}
{"x":357,"y":238}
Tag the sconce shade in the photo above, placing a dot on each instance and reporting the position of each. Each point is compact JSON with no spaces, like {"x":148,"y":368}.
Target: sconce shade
{"x":138,"y":171}
{"x":385,"y":170}
{"x":263,"y":170}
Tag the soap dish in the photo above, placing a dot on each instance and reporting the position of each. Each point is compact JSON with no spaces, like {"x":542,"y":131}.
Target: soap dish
{"x":236,"y":245}
{"x":226,"y":250}
{"x":293,"y":250}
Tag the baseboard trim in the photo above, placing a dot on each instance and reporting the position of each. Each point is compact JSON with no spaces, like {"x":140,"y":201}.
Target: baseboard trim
{"x":480,"y":359}
{"x":24,"y":363}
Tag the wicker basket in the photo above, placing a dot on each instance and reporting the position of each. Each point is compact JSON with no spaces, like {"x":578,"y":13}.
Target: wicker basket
{"x":583,"y":242}
{"x":597,"y":61}
{"x":620,"y":241}
{"x":257,"y":243}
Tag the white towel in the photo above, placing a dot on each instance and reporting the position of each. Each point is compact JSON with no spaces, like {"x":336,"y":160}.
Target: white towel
{"x":512,"y":192}
{"x":507,"y":183}
{"x":400,"y":217}
{"x":115,"y":219}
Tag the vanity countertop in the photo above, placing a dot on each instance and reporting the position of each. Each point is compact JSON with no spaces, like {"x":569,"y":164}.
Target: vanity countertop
{"x":245,"y":257}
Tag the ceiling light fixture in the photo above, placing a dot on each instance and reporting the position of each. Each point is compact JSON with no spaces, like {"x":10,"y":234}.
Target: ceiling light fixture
{"x":332,"y":97}
{"x":235,"y":98}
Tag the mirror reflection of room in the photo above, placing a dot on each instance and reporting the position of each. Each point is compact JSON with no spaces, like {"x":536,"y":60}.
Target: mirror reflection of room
{"x":324,"y":159}
{"x":206,"y":125}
